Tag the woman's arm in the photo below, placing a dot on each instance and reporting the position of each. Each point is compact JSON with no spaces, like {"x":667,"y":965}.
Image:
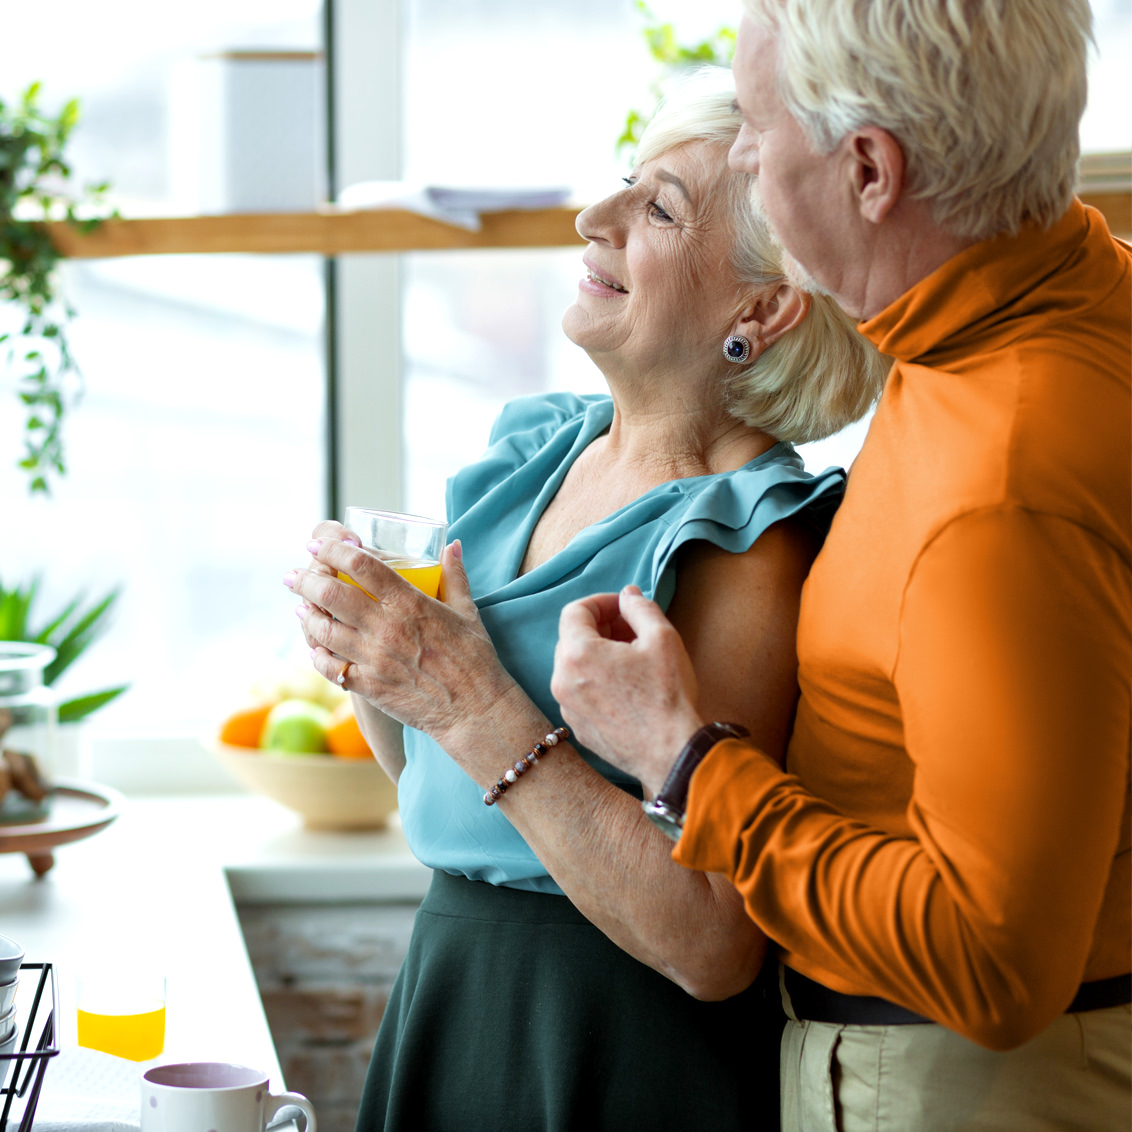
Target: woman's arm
{"x":737,"y":615}
{"x":433,"y":666}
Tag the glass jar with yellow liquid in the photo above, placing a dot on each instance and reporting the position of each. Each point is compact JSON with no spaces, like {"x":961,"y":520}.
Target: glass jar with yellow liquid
{"x":410,"y":544}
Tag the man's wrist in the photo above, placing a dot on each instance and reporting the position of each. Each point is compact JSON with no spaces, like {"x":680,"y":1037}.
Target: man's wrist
{"x":666,"y":809}
{"x":677,"y":735}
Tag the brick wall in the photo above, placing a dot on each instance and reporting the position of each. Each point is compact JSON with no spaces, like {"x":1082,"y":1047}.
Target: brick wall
{"x":324,"y":973}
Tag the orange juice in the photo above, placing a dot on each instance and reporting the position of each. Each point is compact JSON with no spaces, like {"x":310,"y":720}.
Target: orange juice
{"x":137,"y":1036}
{"x":423,"y":574}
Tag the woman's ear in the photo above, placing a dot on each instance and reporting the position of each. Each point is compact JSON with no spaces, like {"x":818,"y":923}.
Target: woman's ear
{"x":772,"y":315}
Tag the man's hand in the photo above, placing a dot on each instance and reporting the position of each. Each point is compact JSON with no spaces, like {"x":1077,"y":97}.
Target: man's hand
{"x":625,"y":684}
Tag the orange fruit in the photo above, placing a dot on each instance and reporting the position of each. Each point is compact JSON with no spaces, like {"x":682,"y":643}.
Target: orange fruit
{"x":344,"y":737}
{"x":244,"y":728}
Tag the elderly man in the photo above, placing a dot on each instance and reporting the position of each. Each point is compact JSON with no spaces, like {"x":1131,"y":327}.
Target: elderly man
{"x":944,"y":863}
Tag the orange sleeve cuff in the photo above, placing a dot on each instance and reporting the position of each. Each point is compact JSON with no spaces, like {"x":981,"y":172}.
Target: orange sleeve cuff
{"x":727,"y":789}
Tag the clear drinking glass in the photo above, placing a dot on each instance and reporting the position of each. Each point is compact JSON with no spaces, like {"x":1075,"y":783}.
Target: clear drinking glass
{"x":410,"y":544}
{"x":122,"y":1011}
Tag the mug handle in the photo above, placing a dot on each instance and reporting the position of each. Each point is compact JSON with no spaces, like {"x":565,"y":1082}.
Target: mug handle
{"x":276,"y":1101}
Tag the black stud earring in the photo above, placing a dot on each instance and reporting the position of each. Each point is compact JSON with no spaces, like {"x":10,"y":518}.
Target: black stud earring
{"x":737,"y":349}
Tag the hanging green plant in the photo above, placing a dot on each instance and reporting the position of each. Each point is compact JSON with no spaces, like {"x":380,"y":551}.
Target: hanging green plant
{"x":672,"y":55}
{"x":69,"y":632}
{"x":35,"y":185}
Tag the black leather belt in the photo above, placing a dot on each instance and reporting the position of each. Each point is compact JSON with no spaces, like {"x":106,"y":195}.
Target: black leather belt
{"x":814,"y":1003}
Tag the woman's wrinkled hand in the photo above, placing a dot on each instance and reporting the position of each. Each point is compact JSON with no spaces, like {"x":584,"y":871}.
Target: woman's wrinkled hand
{"x":428,"y":663}
{"x":625,"y":684}
{"x":327,"y":529}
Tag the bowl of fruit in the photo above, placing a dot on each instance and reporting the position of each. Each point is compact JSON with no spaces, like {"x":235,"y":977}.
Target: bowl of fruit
{"x":299,"y":744}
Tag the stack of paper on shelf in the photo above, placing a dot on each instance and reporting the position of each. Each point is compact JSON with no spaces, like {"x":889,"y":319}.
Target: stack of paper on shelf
{"x":453,"y":205}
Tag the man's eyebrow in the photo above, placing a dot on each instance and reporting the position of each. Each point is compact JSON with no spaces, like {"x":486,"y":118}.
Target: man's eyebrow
{"x":672,"y":179}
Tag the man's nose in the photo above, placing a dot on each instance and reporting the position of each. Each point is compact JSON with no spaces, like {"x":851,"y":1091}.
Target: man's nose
{"x":743,"y":156}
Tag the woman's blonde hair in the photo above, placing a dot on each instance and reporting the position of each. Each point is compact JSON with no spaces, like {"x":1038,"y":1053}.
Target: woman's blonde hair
{"x":818,"y":377}
{"x":984,"y":96}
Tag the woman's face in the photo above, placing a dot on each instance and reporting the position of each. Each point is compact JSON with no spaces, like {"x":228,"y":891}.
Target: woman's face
{"x":660,"y":293}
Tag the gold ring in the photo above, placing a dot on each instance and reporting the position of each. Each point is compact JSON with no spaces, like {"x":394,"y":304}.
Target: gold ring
{"x":341,"y":677}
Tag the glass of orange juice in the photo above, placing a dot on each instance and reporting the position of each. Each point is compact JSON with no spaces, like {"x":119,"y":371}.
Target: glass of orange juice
{"x":122,"y":1012}
{"x":410,"y":544}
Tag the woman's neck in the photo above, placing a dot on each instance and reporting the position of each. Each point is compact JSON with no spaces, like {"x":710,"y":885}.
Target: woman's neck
{"x":646,"y":445}
{"x":669,"y":438}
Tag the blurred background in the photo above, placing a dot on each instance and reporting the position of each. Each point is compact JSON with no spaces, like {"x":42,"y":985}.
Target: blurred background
{"x":217,"y":426}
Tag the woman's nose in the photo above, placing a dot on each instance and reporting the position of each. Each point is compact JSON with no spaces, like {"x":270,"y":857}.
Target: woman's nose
{"x":599,"y":222}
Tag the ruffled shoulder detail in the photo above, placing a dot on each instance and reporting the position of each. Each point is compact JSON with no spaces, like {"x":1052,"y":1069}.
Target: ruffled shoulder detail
{"x":523,"y":427}
{"x":731,"y":511}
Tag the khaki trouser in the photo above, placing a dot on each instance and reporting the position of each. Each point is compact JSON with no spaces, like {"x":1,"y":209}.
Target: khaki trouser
{"x":1075,"y":1076}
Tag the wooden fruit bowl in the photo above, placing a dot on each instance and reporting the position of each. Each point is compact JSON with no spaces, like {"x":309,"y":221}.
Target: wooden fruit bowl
{"x":329,"y":792}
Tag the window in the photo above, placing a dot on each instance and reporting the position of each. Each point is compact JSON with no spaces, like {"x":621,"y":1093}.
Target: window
{"x":196,"y":456}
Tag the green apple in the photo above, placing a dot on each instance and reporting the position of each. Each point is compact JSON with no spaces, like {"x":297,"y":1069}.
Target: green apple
{"x":296,"y":727}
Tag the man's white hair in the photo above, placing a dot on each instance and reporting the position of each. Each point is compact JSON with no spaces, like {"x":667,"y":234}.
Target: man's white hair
{"x":984,"y":96}
{"x":818,"y":377}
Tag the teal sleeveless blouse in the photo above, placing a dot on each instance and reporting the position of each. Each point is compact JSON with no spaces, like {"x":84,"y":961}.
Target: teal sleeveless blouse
{"x":493,"y":506}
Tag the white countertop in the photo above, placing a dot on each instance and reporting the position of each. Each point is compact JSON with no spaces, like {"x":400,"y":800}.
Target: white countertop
{"x":158,"y":887}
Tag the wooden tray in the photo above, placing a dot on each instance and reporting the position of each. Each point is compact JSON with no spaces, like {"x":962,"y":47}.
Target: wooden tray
{"x":78,"y":810}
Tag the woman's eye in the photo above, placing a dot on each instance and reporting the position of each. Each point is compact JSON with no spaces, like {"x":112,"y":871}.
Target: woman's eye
{"x":656,"y":211}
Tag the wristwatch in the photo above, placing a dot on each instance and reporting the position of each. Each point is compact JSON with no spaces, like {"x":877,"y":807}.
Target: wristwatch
{"x":666,"y":810}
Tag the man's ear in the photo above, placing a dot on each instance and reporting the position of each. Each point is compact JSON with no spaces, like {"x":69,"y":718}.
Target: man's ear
{"x":876,"y":171}
{"x":767,"y":318}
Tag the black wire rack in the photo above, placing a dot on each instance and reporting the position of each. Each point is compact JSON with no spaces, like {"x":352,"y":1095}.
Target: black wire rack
{"x":23,"y":1069}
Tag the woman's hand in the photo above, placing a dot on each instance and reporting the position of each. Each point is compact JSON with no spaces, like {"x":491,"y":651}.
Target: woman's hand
{"x":429,"y":664}
{"x":327,"y":529}
{"x":625,"y":683}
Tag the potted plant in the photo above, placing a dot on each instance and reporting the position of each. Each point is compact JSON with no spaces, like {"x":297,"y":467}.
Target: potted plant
{"x":35,"y":185}
{"x":673,"y":56}
{"x":69,"y":632}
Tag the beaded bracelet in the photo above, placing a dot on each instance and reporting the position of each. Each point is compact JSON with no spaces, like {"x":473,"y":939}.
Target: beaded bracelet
{"x":511,"y":774}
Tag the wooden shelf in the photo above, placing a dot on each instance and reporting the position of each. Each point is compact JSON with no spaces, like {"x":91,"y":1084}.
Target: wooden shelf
{"x":329,"y":233}
{"x":337,"y":232}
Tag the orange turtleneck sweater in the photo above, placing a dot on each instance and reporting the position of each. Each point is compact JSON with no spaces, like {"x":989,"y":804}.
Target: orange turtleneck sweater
{"x":951,"y":832}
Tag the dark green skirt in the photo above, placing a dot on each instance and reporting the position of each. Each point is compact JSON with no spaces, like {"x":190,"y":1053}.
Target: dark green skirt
{"x":513,"y":1012}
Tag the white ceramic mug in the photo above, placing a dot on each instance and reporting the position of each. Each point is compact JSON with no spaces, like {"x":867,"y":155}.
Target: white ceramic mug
{"x":213,"y":1096}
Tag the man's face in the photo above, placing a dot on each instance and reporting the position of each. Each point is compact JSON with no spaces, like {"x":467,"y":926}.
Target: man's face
{"x":800,"y":196}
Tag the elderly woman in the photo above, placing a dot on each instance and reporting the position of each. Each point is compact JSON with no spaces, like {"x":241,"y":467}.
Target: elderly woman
{"x":564,"y":973}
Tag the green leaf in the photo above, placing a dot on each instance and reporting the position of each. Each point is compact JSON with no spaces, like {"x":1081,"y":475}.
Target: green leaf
{"x":44,"y":635}
{"x":81,"y":706}
{"x":76,"y":639}
{"x":69,"y":116}
{"x":14,"y":606}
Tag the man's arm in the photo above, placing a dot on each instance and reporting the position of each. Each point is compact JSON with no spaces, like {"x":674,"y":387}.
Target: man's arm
{"x":1013,"y":681}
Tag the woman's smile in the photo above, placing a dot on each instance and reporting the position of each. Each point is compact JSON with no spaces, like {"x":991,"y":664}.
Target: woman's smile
{"x":599,"y":283}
